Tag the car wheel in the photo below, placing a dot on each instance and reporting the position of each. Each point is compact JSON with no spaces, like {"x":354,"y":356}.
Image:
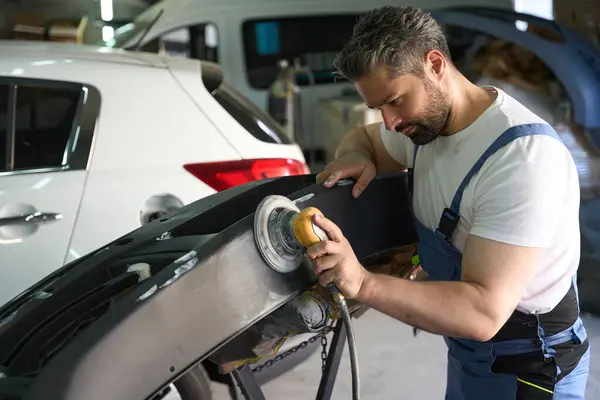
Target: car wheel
{"x":194,"y":385}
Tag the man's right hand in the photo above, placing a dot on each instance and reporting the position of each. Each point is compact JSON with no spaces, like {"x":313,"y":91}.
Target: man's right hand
{"x":351,"y":165}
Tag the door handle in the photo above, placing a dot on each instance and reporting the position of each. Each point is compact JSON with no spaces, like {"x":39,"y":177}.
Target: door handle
{"x":34,"y":218}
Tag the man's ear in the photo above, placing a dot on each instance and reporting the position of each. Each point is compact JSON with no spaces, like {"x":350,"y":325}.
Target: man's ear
{"x":435,"y":65}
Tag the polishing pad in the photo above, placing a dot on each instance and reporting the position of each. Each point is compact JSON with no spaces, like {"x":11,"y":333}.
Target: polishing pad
{"x":274,"y":236}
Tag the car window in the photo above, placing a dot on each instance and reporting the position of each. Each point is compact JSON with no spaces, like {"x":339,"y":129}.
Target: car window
{"x":257,"y":122}
{"x":312,"y":40}
{"x":3,"y":125}
{"x":44,"y":121}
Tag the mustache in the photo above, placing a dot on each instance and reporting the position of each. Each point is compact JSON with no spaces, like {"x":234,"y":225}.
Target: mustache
{"x":401,"y":127}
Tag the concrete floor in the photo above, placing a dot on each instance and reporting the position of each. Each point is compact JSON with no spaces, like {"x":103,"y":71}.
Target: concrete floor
{"x":393,"y":365}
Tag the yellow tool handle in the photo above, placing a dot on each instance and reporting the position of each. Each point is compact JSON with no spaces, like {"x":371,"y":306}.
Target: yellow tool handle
{"x":308,"y":234}
{"x":305,"y":231}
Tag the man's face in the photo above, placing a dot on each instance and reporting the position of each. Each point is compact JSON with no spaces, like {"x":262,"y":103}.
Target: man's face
{"x":412,"y":105}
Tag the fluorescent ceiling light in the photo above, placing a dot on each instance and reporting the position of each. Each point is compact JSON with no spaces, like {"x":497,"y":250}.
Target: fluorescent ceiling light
{"x":108,"y":32}
{"x":106,"y":10}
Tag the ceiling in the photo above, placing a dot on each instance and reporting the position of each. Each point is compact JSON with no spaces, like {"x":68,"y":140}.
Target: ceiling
{"x":73,"y":9}
{"x":67,"y":9}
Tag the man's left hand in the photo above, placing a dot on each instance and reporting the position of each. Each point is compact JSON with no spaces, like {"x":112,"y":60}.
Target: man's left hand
{"x":334,"y":260}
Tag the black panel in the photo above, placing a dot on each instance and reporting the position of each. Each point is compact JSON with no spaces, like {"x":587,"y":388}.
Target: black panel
{"x":97,"y":333}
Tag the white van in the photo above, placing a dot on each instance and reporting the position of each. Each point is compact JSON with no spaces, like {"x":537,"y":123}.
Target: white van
{"x":248,"y":38}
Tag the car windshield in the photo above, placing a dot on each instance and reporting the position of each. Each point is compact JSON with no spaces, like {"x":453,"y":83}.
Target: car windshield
{"x":125,"y":33}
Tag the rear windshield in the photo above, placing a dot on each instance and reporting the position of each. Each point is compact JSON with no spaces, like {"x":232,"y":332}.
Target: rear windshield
{"x":261,"y":125}
{"x":255,"y":120}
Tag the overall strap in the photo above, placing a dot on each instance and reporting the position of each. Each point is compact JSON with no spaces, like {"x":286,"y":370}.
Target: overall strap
{"x":415,"y":155}
{"x":451,"y":216}
{"x":411,"y":173}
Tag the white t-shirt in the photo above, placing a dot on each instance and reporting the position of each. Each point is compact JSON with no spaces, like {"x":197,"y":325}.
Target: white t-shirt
{"x":526,"y":194}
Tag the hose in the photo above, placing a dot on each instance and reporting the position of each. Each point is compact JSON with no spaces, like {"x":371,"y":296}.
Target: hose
{"x":306,"y":233}
{"x":343,"y":305}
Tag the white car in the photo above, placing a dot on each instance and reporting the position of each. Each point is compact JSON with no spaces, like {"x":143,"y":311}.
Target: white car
{"x":95,"y":142}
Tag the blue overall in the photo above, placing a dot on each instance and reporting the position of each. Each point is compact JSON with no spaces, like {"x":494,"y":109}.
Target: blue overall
{"x":521,"y":362}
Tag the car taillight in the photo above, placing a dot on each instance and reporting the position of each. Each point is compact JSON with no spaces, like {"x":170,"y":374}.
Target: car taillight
{"x":227,"y":174}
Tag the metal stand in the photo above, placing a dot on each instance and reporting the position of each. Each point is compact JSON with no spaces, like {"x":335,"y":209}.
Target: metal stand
{"x":233,"y":388}
{"x":251,"y":389}
{"x":332,"y":365}
{"x":247,"y":383}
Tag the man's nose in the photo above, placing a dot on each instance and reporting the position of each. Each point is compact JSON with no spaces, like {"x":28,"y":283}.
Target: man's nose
{"x":390,"y":120}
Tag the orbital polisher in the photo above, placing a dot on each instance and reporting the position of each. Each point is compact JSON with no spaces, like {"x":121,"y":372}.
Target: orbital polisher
{"x":282,"y":232}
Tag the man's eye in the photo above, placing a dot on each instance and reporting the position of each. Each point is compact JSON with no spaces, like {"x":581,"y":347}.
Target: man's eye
{"x":396,"y":101}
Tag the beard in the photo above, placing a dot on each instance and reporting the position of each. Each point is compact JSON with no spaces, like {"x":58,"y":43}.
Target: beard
{"x":433,"y":122}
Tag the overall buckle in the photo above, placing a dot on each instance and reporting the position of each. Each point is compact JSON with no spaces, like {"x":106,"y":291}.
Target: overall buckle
{"x":448,"y":223}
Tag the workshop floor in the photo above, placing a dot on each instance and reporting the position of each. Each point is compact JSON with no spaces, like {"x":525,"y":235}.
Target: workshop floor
{"x":393,"y":365}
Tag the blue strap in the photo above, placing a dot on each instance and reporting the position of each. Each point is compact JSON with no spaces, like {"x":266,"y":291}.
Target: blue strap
{"x":415,"y":156}
{"x":505,"y":138}
{"x":411,"y":172}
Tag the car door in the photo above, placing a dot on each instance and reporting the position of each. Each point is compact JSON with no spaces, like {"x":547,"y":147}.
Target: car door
{"x":45,"y":139}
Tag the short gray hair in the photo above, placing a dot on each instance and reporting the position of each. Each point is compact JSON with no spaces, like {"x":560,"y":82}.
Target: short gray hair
{"x":397,"y":37}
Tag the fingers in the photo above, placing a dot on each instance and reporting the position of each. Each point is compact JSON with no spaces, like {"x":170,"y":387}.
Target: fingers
{"x":333,"y":173}
{"x":334,"y":177}
{"x":322,"y":249}
{"x":333,"y":231}
{"x":325,"y":263}
{"x":328,"y":277}
{"x":354,"y":164}
{"x":363,"y":180}
{"x":330,"y":169}
{"x":323,"y":175}
{"x":337,"y":171}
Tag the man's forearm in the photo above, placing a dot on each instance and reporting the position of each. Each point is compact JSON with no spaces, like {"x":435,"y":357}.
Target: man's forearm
{"x":367,"y":141}
{"x":446,"y":308}
{"x":356,"y":140}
